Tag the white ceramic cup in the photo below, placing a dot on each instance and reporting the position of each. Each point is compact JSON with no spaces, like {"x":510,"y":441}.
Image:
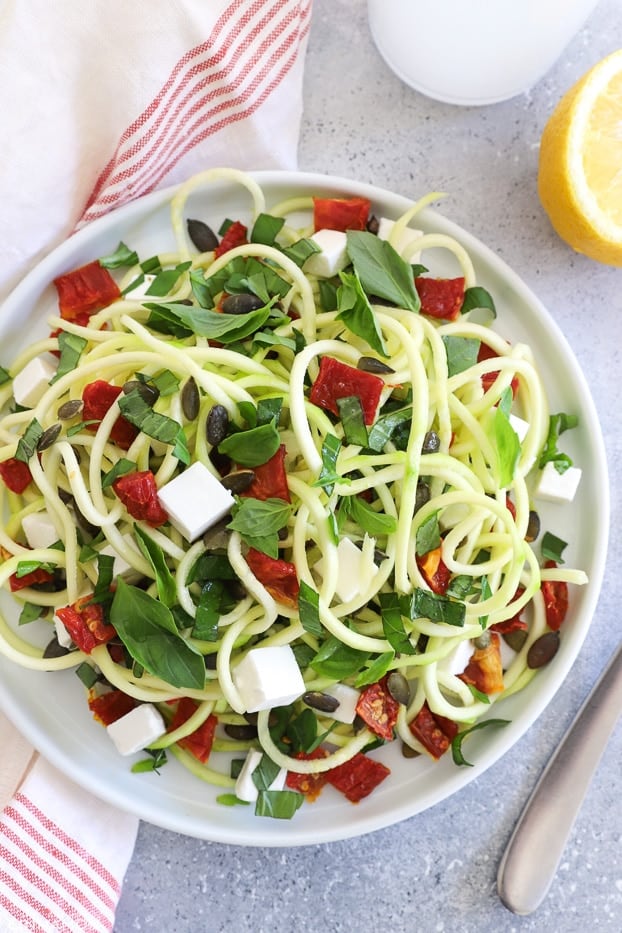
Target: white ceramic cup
{"x":474,"y":51}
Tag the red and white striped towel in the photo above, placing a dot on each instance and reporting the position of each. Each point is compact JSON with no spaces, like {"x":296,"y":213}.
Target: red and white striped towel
{"x":101,"y":104}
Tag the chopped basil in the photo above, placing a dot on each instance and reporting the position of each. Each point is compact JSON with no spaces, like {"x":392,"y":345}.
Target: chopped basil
{"x":456,"y":745}
{"x":71,"y":347}
{"x":374,"y":523}
{"x":166,"y":382}
{"x":266,"y":229}
{"x":461,"y":353}
{"x":482,"y":697}
{"x":29,"y":613}
{"x":352,"y":419}
{"x":302,"y":731}
{"x":553,"y":547}
{"x":265,"y":773}
{"x":558,"y":423}
{"x":87,"y":674}
{"x":428,"y":535}
{"x":230,"y":800}
{"x":328,"y":474}
{"x":382,"y":271}
{"x":258,"y":522}
{"x":328,"y":295}
{"x":165,"y":581}
{"x":477,"y":297}
{"x":123,"y":256}
{"x":485,"y":593}
{"x":76,"y":428}
{"x":376,"y":670}
{"x":422,"y":604}
{"x":139,"y":413}
{"x":308,"y":609}
{"x":300,"y":251}
{"x":279,"y":804}
{"x":157,"y":758}
{"x":148,"y":630}
{"x":211,"y":566}
{"x":393,"y":624}
{"x":504,"y":440}
{"x":181,"y":449}
{"x":383,"y":429}
{"x":24,"y":567}
{"x":267,"y":338}
{"x":254,"y":447}
{"x":184,"y":320}
{"x":208,"y":611}
{"x":337,"y":660}
{"x":121,"y":467}
{"x":151,"y":266}
{"x":27,"y":444}
{"x":355,"y":311}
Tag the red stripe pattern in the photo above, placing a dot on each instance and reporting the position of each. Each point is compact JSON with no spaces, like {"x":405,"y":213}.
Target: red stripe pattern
{"x":252,"y":47}
{"x":49,"y":883}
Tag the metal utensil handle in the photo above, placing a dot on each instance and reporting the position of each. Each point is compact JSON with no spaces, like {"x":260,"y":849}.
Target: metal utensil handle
{"x":535,"y":848}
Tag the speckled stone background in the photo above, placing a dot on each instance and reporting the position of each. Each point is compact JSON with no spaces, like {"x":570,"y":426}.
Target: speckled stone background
{"x":436,"y":873}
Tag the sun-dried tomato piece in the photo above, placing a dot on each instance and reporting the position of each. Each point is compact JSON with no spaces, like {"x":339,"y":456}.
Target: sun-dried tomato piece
{"x":340,"y":213}
{"x":86,"y":624}
{"x":435,"y":572}
{"x":98,"y":397}
{"x":270,"y":479}
{"x":308,"y":784}
{"x":485,"y":670}
{"x":139,"y":494}
{"x":434,"y":732}
{"x":338,"y":380}
{"x":198,"y":743}
{"x":487,"y":353}
{"x":378,"y":709}
{"x":555,"y":594}
{"x":278,"y":576}
{"x":110,"y":706}
{"x":84,"y":291}
{"x":358,"y":777}
{"x":234,"y":235}
{"x":39,"y":575}
{"x":15,"y":474}
{"x":440,"y":298}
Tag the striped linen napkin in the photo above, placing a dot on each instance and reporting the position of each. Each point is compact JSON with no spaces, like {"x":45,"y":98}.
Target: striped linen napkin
{"x":104,"y":104}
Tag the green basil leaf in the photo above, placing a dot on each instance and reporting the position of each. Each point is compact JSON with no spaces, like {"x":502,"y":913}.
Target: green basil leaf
{"x":393,"y":624}
{"x":102,"y":593}
{"x":308,"y":609}
{"x":553,"y":547}
{"x":300,"y":251}
{"x":337,"y":660}
{"x":210,"y":566}
{"x":355,"y":311}
{"x":382,"y":271}
{"x":278,"y":804}
{"x":558,"y":423}
{"x":266,"y":229}
{"x":422,"y":604}
{"x":157,"y":758}
{"x":166,"y":280}
{"x":71,"y":348}
{"x":353,"y":420}
{"x":383,"y":429}
{"x":461,"y":353}
{"x":328,"y":474}
{"x":265,"y":773}
{"x":181,"y":449}
{"x":477,"y":297}
{"x":184,"y":320}
{"x":121,"y":257}
{"x":165,"y":581}
{"x":166,"y":382}
{"x":151,"y":266}
{"x":27,"y":444}
{"x":230,"y":800}
{"x":259,"y":519}
{"x":29,"y":613}
{"x":506,"y":444}
{"x":254,"y":447}
{"x":208,"y":611}
{"x":456,"y":745}
{"x":87,"y":674}
{"x":147,"y":629}
{"x":121,"y":467}
{"x":374,"y":523}
{"x":328,"y":295}
{"x":376,"y":670}
{"x":139,"y":413}
{"x":428,"y":535}
{"x":302,"y":732}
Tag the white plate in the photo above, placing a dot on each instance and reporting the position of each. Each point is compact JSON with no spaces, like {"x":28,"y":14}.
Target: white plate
{"x":50,"y":708}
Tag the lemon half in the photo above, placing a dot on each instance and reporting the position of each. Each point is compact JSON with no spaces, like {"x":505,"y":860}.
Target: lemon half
{"x":580,"y":164}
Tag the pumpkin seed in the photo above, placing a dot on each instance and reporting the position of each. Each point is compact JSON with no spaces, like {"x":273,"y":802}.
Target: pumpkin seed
{"x":408,"y":752}
{"x":482,"y":641}
{"x":515,"y":639}
{"x":49,"y":436}
{"x":217,"y":536}
{"x":242,"y":732}
{"x":242,"y":304}
{"x":369,"y":364}
{"x":217,"y":425}
{"x":70,"y":409}
{"x":533,"y":526}
{"x":238,"y":481}
{"x":543,"y":650}
{"x":201,"y":236}
{"x":431,"y":443}
{"x":147,"y":392}
{"x":190,"y":399}
{"x":398,"y":687}
{"x":422,"y":495}
{"x":54,"y":649}
{"x":322,"y":702}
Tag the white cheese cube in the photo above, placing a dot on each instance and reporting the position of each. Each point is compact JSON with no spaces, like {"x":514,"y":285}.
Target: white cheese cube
{"x":355,"y":570}
{"x":404,"y":240}
{"x":457,"y":659}
{"x":333,"y":256}
{"x":137,"y":729}
{"x":348,"y":698}
{"x":519,"y":426}
{"x":245,"y":787}
{"x":195,"y":500}
{"x":268,"y":677}
{"x":120,"y":567}
{"x":558,"y":487}
{"x":39,"y":529}
{"x":30,"y":384}
{"x":139,"y":292}
{"x":62,"y":635}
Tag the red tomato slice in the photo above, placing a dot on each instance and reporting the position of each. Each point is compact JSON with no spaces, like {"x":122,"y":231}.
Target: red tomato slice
{"x":110,"y":706}
{"x":513,"y":624}
{"x":440,"y":298}
{"x":378,"y":709}
{"x":86,"y":624}
{"x":436,"y":574}
{"x":308,"y":784}
{"x":235,"y":235}
{"x":270,"y":479}
{"x":139,"y":494}
{"x":555,"y":594}
{"x":98,"y":397}
{"x":487,"y":353}
{"x":29,"y":579}
{"x":16,"y":474}
{"x":434,"y":732}
{"x":85,"y":291}
{"x":358,"y":777}
{"x":198,"y":743}
{"x":340,"y":213}
{"x":338,"y":380}
{"x":278,"y":576}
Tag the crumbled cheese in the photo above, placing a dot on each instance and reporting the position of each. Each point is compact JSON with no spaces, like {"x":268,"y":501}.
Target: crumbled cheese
{"x":348,"y":697}
{"x":31,"y":382}
{"x":245,"y":787}
{"x":39,"y":529}
{"x":355,"y":569}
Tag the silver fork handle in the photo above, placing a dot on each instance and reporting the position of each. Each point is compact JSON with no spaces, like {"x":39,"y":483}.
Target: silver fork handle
{"x":536,"y":846}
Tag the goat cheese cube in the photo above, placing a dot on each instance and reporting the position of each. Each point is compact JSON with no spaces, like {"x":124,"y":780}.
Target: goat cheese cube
{"x":245,"y":787}
{"x":457,"y":659}
{"x":33,"y":380}
{"x":405,"y":239}
{"x":195,"y":500}
{"x":39,"y":529}
{"x":558,"y":487}
{"x":333,"y":255}
{"x":268,"y":677}
{"x":348,"y":698}
{"x":137,"y":729}
{"x":120,"y":567}
{"x":355,"y":570}
{"x":519,"y":426}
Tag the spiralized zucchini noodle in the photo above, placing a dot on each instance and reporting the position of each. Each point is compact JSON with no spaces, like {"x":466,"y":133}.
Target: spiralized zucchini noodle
{"x":401,"y":541}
